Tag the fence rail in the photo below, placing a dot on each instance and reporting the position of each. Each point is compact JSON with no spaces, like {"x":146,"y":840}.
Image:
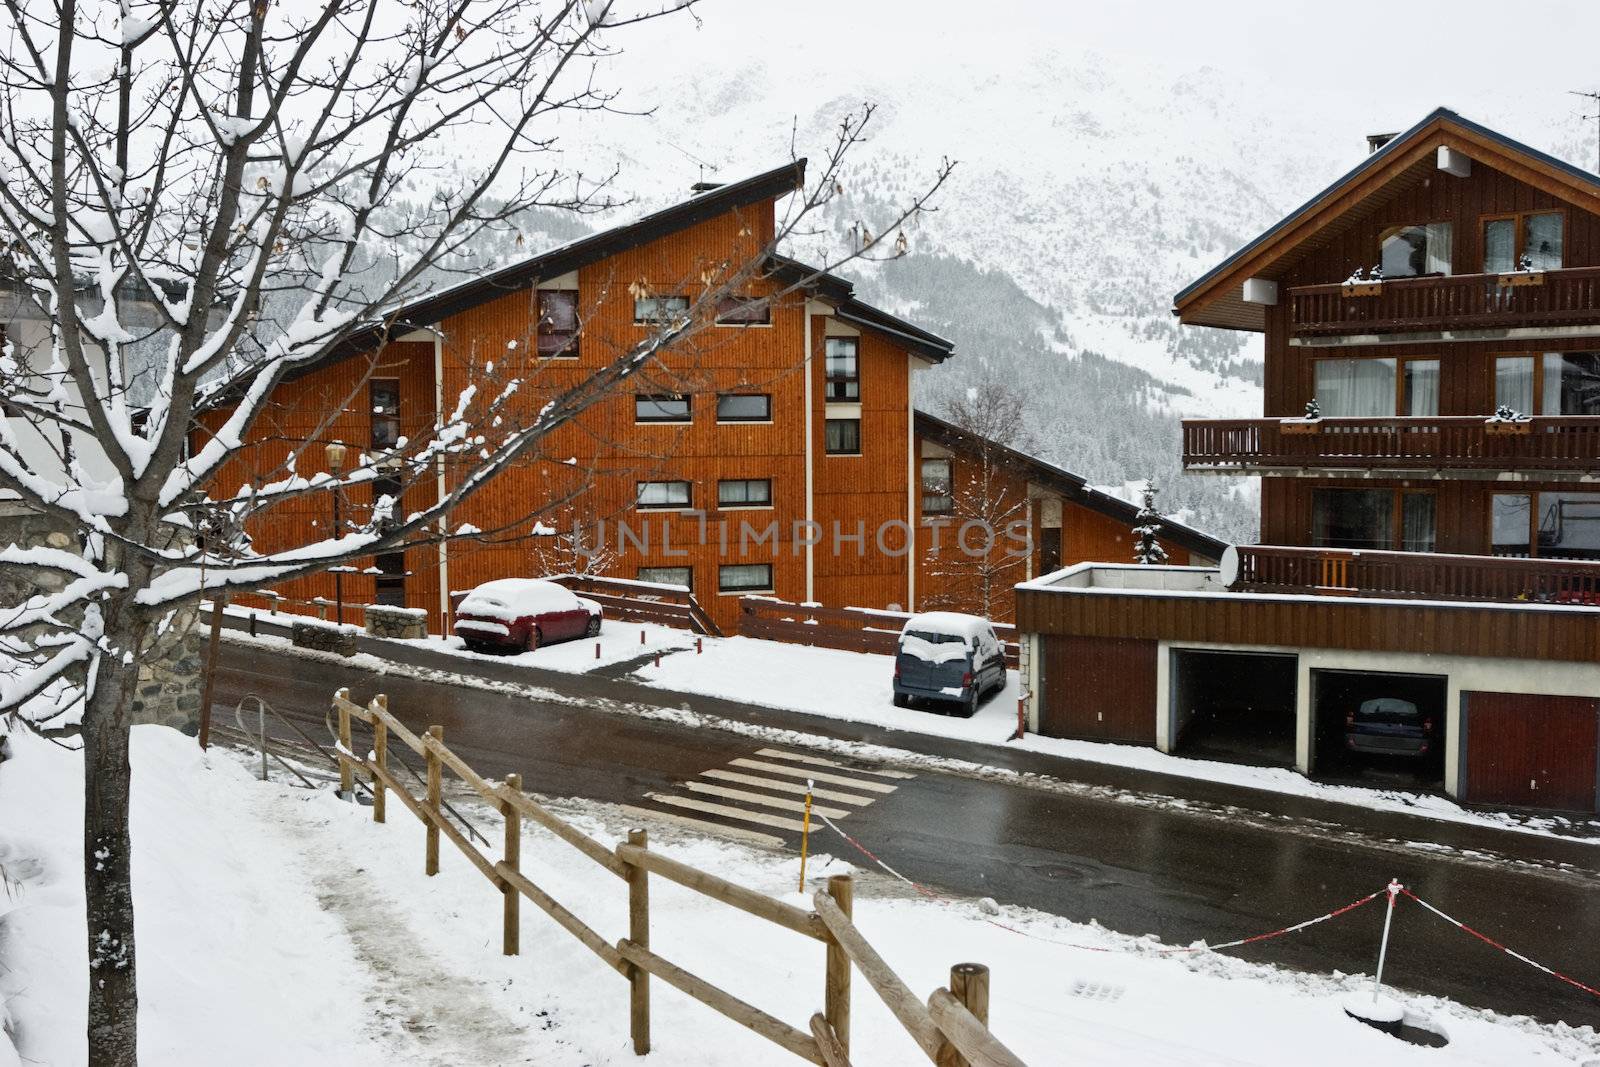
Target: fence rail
{"x":643,"y":602}
{"x":1461,"y":442}
{"x":1430,"y":575}
{"x":1568,"y":297}
{"x":951,"y":1028}
{"x":851,"y":629}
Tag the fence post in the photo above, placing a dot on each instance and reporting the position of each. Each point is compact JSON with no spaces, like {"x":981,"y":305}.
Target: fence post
{"x":836,"y":991}
{"x":969,"y":983}
{"x":380,"y":758}
{"x":346,"y":779}
{"x":431,"y":865}
{"x":639,"y":934}
{"x":511,"y":936}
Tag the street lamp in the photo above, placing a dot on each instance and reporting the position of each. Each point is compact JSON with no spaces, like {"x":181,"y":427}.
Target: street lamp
{"x":335,"y":453}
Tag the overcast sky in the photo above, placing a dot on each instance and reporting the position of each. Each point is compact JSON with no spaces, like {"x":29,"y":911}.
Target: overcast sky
{"x":1390,"y":63}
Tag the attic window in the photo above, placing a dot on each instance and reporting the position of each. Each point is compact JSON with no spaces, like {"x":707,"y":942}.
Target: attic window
{"x":558,"y":323}
{"x":1413,"y":251}
{"x":744,"y":311}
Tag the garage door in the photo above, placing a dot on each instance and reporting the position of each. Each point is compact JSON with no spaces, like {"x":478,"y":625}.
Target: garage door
{"x":1532,"y":751}
{"x":1099,"y":689}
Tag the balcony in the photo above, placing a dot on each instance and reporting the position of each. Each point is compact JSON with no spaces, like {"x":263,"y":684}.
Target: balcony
{"x":1552,"y":446}
{"x":1408,"y":575}
{"x":1463,"y":307}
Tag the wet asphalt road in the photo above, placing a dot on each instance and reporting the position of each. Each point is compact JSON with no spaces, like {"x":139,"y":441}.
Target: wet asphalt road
{"x":1138,"y":869}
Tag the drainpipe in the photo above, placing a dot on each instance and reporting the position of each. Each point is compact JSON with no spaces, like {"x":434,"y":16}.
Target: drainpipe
{"x":444,"y":525}
{"x":811,"y":418}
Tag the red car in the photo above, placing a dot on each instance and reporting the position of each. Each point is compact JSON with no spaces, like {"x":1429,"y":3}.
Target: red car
{"x":523,"y":613}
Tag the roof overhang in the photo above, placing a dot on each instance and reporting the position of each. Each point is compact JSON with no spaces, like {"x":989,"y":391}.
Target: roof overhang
{"x":1218,"y":297}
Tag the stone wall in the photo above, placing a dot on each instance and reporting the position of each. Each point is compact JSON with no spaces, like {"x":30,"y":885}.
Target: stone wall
{"x":170,"y":675}
{"x":408,"y":624}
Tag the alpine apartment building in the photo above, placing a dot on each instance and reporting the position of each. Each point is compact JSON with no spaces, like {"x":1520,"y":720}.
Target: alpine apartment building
{"x":1430,"y":459}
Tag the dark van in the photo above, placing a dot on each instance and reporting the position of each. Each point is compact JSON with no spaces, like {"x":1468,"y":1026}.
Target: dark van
{"x":949,"y":658}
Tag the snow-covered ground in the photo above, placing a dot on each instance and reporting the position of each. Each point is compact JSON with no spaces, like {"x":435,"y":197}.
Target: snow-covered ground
{"x":279,"y":925}
{"x":857,"y":687}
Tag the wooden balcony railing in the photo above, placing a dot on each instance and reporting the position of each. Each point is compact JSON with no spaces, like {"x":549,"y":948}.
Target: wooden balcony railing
{"x":1551,"y":443}
{"x":1460,"y":302}
{"x":1425,"y":575}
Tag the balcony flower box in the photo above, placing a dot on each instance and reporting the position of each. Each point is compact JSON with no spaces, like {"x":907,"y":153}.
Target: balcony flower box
{"x":1507,"y":427}
{"x":1299,"y":427}
{"x":1520,"y":278}
{"x":1361,"y":289}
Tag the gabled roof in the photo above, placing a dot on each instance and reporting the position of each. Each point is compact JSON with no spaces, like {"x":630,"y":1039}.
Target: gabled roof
{"x":1072,"y":487}
{"x":1216,"y":299}
{"x":436,"y":306}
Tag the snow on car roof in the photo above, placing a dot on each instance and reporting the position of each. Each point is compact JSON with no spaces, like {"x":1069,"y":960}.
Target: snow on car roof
{"x":953,"y":623}
{"x":517,"y":596}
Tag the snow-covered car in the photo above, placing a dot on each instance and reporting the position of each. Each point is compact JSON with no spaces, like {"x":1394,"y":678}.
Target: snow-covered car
{"x":522,"y":614}
{"x":948,"y":657}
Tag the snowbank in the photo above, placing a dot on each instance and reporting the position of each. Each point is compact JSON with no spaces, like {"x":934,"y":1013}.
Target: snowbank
{"x":278,"y":925}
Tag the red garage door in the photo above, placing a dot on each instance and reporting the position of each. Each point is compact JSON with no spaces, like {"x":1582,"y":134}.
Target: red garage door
{"x":1099,"y":688}
{"x":1532,"y":751}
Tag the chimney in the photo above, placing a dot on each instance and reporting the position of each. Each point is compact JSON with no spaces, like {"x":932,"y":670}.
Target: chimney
{"x":704,"y":187}
{"x":1376,"y":141}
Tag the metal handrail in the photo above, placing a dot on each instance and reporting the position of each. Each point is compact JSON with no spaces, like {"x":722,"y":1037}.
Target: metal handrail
{"x":260,"y":735}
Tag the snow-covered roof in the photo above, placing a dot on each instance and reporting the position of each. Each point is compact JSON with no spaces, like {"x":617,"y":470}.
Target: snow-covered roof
{"x":949,"y":623}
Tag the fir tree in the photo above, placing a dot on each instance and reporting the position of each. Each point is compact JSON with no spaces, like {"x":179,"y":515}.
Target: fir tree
{"x":1146,"y":549}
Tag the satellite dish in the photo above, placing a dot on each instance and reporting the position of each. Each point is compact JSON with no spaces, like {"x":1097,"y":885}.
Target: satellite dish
{"x":1228,"y":566}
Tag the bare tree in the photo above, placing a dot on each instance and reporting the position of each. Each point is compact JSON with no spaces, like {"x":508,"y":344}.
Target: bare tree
{"x":989,"y":519}
{"x":243,"y":175}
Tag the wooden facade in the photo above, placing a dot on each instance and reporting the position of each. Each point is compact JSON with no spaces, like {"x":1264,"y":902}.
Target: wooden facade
{"x":766,"y":491}
{"x":1414,"y":577}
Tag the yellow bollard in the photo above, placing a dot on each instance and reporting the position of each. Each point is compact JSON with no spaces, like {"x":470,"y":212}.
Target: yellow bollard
{"x":805,"y":836}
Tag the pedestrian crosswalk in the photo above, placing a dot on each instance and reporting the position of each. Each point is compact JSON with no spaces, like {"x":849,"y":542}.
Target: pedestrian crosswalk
{"x":767,"y":788}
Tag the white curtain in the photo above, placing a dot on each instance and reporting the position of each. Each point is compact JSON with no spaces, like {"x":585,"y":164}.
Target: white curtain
{"x":1422,"y":387}
{"x":1439,"y":248}
{"x":1513,"y":383}
{"x":1355,"y":388}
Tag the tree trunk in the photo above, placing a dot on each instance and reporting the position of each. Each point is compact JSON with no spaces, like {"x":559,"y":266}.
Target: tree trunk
{"x":107,"y":864}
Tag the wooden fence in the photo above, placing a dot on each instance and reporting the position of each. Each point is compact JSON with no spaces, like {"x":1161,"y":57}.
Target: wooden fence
{"x":852,"y":629}
{"x":951,"y":1026}
{"x":630,"y":601}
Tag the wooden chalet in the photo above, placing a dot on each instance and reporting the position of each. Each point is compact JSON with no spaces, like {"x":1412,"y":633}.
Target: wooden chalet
{"x":1430,"y":458}
{"x":794,"y":419}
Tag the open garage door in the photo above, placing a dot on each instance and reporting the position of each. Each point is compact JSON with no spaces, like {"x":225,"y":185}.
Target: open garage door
{"x":1234,"y":706}
{"x":1378,"y":728}
{"x":1532,"y":751}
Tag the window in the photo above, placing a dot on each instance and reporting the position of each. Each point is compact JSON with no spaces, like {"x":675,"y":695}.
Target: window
{"x":659,"y":310}
{"x":1530,"y":241}
{"x":389,"y":586}
{"x":1371,"y":388}
{"x":1550,"y":383}
{"x":744,"y":407}
{"x":664,"y":495}
{"x":558,"y":323}
{"x":383,"y":396}
{"x":936,"y":490}
{"x":683,"y":576}
{"x":660,"y":407}
{"x":744,"y":493}
{"x":843,"y":437}
{"x":744,"y":311}
{"x":1372,"y":519}
{"x":387,"y":486}
{"x":1559,"y":525}
{"x":1411,"y":251}
{"x":842,"y":369}
{"x":744,"y":578}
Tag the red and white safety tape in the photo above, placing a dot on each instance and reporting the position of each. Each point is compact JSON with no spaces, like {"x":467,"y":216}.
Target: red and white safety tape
{"x":1486,"y":939}
{"x":934,"y":894}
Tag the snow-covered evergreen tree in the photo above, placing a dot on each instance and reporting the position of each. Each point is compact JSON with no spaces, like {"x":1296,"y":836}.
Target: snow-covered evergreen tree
{"x":1146,"y":549}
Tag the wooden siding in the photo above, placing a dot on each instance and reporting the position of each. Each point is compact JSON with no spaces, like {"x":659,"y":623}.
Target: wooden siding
{"x":605,"y":452}
{"x":302,"y":416}
{"x":1315,"y":622}
{"x":1532,"y":751}
{"x":1099,"y":689}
